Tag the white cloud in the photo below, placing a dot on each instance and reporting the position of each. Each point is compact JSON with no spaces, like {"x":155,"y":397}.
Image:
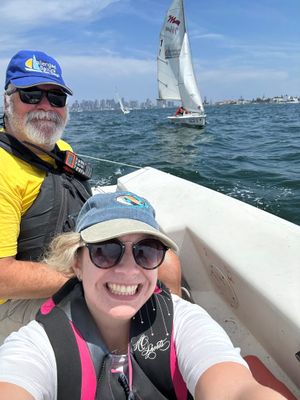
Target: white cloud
{"x":96,"y":77}
{"x":41,"y":13}
{"x":213,"y":36}
{"x":111,"y":66}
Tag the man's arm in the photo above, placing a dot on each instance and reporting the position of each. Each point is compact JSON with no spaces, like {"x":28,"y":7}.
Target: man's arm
{"x":169,"y":272}
{"x":28,"y":279}
{"x":232,"y":381}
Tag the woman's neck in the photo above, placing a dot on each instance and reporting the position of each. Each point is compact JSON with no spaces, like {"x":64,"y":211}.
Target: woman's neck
{"x":115,"y":335}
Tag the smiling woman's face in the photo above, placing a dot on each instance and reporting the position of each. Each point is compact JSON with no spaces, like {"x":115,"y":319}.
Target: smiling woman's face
{"x":118,"y":292}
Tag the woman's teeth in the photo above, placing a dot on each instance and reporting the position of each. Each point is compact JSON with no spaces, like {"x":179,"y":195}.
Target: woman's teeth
{"x":124,"y":290}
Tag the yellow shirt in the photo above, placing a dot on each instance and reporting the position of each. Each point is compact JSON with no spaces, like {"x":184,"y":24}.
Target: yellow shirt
{"x":19,"y":186}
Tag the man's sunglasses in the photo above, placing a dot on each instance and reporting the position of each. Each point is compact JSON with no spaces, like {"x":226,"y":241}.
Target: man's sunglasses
{"x":148,"y":253}
{"x":34,"y":95}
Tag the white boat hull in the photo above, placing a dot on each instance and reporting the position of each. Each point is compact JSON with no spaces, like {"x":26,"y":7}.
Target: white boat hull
{"x":194,"y":120}
{"x":241,"y":263}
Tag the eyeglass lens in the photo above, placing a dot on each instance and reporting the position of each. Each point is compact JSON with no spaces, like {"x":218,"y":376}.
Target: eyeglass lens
{"x":34,"y":96}
{"x":148,"y":253}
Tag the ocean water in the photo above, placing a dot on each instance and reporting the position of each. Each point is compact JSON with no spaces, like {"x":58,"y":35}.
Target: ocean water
{"x":250,"y":152}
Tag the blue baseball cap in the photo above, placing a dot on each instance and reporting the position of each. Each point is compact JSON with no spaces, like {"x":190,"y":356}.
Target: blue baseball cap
{"x":106,"y":216}
{"x":29,"y":68}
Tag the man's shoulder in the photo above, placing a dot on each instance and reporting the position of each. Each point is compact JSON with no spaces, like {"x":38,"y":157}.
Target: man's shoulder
{"x":63,"y":145}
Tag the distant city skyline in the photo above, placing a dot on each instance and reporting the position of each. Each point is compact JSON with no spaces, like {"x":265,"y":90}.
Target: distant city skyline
{"x":240,"y":48}
{"x":112,"y":104}
{"x":148,"y":103}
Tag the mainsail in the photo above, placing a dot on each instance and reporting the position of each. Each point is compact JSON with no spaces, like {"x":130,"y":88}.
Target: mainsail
{"x":175,"y":73}
{"x":121,"y":105}
{"x":123,"y":109}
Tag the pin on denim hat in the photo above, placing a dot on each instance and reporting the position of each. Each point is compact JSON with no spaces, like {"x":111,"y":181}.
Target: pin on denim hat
{"x":30,"y":68}
{"x":110,"y":215}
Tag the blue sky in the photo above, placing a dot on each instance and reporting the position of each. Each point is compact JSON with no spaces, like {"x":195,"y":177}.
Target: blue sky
{"x":240,"y":47}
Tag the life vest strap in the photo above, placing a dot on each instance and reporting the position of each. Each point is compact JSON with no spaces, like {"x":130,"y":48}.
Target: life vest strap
{"x":69,"y":356}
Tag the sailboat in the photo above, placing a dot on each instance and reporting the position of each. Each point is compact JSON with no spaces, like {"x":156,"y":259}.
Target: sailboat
{"x":175,"y":72}
{"x":122,"y":107}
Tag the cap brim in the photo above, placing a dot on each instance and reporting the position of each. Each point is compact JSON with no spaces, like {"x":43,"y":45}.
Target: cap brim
{"x":119,"y":227}
{"x":36,"y":80}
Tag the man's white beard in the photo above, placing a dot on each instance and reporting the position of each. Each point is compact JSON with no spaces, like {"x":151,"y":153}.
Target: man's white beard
{"x":44,"y":127}
{"x":39,"y":127}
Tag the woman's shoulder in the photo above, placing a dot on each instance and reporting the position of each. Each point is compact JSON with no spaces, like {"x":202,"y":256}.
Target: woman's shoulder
{"x":27,"y":360}
{"x":182,"y":306}
{"x":30,"y":339}
{"x":32,"y":334}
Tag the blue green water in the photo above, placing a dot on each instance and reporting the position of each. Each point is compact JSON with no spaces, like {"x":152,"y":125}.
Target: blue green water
{"x":250,"y":152}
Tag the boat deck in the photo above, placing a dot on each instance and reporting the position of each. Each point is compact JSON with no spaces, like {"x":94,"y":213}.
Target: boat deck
{"x":241,"y":263}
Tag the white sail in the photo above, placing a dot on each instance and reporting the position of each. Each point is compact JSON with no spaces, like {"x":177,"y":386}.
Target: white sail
{"x":121,"y":104}
{"x":123,"y":109}
{"x":189,"y":92}
{"x":175,"y":73}
{"x":171,"y":37}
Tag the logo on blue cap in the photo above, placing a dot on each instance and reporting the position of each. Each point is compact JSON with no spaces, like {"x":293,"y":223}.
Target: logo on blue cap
{"x":132,"y":200}
{"x":32,"y":64}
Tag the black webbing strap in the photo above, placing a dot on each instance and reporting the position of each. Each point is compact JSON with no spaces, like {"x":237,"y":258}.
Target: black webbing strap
{"x":15,"y":147}
{"x":66,"y":351}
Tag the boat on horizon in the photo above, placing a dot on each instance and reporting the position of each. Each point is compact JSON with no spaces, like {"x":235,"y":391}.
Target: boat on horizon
{"x":124,"y":109}
{"x":175,"y":73}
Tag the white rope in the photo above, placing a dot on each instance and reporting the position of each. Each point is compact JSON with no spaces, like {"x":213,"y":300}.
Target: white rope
{"x":109,"y":161}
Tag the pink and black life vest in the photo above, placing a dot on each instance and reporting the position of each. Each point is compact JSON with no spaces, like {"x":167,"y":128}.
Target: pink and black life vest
{"x":84,"y":363}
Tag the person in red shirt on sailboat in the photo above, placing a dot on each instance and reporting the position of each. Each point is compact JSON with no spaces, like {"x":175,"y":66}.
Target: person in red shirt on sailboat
{"x":181,"y":111}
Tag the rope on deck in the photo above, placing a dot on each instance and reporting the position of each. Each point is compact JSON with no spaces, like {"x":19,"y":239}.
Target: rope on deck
{"x":109,"y":161}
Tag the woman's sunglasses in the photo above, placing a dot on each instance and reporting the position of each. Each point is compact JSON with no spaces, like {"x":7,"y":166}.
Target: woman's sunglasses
{"x":34,"y":95}
{"x":148,"y":253}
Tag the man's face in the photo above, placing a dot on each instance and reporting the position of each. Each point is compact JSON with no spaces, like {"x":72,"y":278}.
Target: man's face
{"x":41,"y":123}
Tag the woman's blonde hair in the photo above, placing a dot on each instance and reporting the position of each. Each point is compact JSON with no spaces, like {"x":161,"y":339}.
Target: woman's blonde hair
{"x":62,"y":252}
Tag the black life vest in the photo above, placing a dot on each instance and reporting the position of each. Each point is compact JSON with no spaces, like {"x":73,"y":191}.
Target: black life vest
{"x":55,"y":209}
{"x":84,"y":363}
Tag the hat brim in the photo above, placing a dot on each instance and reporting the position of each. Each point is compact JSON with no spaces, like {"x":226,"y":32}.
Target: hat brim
{"x":37,"y":80}
{"x":119,"y":227}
